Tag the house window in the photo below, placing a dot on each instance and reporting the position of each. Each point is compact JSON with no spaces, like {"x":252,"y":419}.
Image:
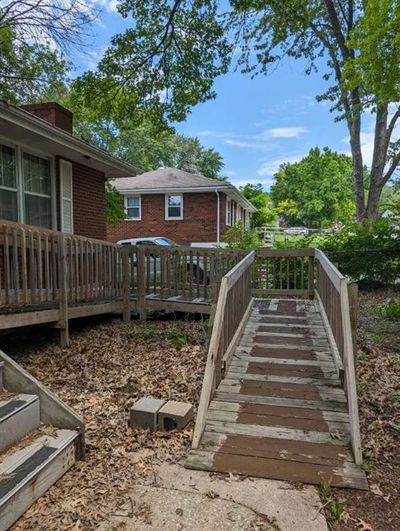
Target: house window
{"x":133,"y":207}
{"x":174,"y":206}
{"x":229,"y":212}
{"x":25,"y":187}
{"x":8,"y":183}
{"x":37,"y":190}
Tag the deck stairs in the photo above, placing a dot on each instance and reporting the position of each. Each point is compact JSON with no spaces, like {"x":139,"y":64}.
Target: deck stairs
{"x":33,"y":454}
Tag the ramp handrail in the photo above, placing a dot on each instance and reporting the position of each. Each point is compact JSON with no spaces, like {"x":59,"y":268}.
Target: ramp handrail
{"x":232,"y":309}
{"x":333,"y":296}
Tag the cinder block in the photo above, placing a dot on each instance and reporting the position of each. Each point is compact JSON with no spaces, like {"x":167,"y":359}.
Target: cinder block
{"x":175,"y":415}
{"x":144,"y":413}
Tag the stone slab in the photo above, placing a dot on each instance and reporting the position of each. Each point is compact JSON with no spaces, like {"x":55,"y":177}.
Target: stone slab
{"x":144,"y":413}
{"x":175,"y":415}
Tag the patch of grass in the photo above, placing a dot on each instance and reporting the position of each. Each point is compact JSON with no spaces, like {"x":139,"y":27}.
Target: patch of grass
{"x":333,"y":508}
{"x":389,"y":310}
{"x":177,"y":339}
{"x":369,"y":464}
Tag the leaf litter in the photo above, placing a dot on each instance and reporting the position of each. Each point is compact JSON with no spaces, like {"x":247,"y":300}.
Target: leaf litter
{"x":109,"y":365}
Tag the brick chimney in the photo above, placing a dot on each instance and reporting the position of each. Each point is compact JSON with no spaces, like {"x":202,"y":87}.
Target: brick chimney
{"x":53,"y":113}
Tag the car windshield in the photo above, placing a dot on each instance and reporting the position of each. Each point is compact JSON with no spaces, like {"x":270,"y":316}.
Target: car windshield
{"x":166,"y":242}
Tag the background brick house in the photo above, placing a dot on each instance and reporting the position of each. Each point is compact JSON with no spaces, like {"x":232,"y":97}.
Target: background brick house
{"x":182,"y":206}
{"x":50,"y":178}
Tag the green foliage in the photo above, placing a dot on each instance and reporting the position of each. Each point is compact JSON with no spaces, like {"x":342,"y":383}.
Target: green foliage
{"x":315,"y":191}
{"x":115,"y":211}
{"x":30,"y":72}
{"x":166,"y":61}
{"x":237,"y":238}
{"x":376,"y":38}
{"x":362,"y":252}
{"x":177,"y":339}
{"x":368,"y":251}
{"x":146,"y":145}
{"x":335,"y":509}
{"x":389,"y":310}
{"x":265,"y":214}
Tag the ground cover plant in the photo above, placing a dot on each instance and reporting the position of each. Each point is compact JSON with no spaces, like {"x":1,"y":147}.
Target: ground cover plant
{"x":109,"y":365}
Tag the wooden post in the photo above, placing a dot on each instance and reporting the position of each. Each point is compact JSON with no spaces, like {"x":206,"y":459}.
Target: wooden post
{"x":353,"y":306}
{"x":126,"y":283}
{"x":63,"y":291}
{"x":141,"y":281}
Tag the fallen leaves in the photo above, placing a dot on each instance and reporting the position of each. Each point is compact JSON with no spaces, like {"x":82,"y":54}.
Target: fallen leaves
{"x":109,"y":366}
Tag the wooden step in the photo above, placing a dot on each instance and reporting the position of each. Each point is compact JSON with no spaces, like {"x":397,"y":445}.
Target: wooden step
{"x":26,"y":474}
{"x":19,"y":415}
{"x":345,"y":475}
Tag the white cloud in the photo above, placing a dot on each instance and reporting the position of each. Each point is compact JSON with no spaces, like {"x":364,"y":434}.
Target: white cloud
{"x":245,"y":143}
{"x":230,"y":173}
{"x":265,"y":181}
{"x":108,"y":5}
{"x":284,"y":132}
{"x":270,"y":167}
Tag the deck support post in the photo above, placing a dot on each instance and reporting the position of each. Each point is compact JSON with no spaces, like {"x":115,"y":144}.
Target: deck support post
{"x":141,"y":276}
{"x":63,"y":291}
{"x":126,"y":311}
{"x":353,"y":307}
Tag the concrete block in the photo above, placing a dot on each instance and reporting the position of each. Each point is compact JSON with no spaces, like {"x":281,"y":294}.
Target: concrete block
{"x":144,"y":413}
{"x":175,"y":415}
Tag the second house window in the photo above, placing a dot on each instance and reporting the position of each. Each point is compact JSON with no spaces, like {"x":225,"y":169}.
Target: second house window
{"x":174,"y":206}
{"x":133,"y":207}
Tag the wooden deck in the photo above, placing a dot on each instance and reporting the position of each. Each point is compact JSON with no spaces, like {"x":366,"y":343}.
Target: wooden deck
{"x":280,"y":411}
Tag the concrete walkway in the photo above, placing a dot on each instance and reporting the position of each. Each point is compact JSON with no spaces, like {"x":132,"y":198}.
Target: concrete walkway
{"x":181,"y":499}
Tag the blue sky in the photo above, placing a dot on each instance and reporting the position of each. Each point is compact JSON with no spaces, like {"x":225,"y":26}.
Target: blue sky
{"x":256,"y":124}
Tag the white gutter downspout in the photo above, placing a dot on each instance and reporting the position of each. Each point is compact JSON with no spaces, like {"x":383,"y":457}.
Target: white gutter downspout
{"x":218,"y":216}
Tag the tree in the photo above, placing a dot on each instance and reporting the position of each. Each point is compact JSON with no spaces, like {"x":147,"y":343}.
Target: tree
{"x":257,"y":197}
{"x":63,"y":23}
{"x":146,"y":145}
{"x":178,"y":47}
{"x":316,"y":190}
{"x":28,"y":72}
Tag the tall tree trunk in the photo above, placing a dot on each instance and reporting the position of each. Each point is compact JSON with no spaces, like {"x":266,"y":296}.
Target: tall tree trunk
{"x":378,"y":162}
{"x":354,"y":126}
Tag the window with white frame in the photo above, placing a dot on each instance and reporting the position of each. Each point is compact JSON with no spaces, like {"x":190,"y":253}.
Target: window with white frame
{"x":8,"y":184}
{"x":174,"y":206}
{"x":25,"y":187}
{"x":37,"y":190}
{"x":229,"y":212}
{"x":133,"y":207}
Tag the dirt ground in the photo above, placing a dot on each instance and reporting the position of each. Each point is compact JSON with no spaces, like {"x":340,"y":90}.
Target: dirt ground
{"x":110,"y":365}
{"x":378,"y":372}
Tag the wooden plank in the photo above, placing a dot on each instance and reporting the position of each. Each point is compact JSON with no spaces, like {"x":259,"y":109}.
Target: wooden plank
{"x":273,"y":432}
{"x":284,"y":402}
{"x":226,"y":359}
{"x":63,"y":295}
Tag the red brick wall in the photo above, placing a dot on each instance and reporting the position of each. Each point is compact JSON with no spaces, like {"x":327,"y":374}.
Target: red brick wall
{"x":52,"y":113}
{"x":199,"y":222}
{"x":89,"y":201}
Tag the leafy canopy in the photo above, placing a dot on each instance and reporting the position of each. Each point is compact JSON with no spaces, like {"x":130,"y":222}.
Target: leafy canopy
{"x":257,"y":197}
{"x":316,"y":190}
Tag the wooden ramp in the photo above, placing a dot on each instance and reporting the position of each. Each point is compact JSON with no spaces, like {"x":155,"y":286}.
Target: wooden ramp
{"x":280,"y":412}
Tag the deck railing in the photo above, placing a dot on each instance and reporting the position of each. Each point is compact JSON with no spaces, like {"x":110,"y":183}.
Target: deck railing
{"x":332,"y":292}
{"x":283,"y":272}
{"x":32,"y":268}
{"x":231,"y":312}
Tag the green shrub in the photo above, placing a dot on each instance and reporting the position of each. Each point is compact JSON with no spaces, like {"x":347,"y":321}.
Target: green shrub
{"x":389,"y":310}
{"x":362,"y":252}
{"x":238,"y":238}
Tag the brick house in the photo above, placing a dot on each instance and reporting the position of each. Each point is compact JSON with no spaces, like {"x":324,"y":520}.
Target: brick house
{"x":182,"y":206}
{"x":49,"y":177}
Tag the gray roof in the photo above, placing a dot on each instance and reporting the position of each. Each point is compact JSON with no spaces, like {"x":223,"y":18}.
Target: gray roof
{"x":170,"y":179}
{"x":167,"y":178}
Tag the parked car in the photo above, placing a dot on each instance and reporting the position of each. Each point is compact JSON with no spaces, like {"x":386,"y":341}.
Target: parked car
{"x":297,"y":230}
{"x":150,"y":240}
{"x":195,"y":266}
